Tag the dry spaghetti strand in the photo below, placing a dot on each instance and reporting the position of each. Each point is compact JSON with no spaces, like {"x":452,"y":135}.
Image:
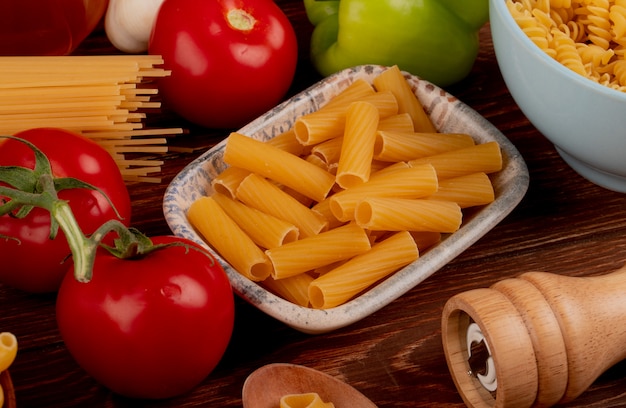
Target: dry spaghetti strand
{"x":103,"y":97}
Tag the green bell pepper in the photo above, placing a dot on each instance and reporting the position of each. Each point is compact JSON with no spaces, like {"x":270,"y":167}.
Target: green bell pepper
{"x":436,"y":40}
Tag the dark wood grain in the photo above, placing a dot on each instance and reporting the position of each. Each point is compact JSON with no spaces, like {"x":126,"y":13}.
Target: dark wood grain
{"x":564,"y":225}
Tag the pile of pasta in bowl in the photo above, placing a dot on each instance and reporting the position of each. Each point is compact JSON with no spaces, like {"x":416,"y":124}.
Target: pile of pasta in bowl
{"x":346,"y":196}
{"x":563,"y":62}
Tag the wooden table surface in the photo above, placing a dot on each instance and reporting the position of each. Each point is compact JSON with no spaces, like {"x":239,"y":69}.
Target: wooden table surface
{"x":564,"y":225}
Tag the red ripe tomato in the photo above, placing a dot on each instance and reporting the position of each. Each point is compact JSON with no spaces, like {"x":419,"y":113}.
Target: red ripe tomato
{"x":230,"y":60}
{"x":31,"y":261}
{"x":152,"y":327}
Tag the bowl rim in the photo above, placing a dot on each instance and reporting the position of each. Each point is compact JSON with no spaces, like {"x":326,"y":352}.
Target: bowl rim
{"x":510,"y":24}
{"x":315,"y":321}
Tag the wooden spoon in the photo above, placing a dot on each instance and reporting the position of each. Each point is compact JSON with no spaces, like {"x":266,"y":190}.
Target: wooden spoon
{"x":265,"y":386}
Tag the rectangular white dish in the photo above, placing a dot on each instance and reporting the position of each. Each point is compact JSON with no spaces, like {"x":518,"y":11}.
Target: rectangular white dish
{"x":447,"y":113}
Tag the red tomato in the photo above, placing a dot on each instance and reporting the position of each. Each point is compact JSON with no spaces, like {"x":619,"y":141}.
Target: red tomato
{"x":33,"y":262}
{"x":231,"y":60}
{"x":153,"y":327}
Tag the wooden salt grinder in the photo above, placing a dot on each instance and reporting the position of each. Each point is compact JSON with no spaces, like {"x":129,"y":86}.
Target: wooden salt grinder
{"x":545,"y":338}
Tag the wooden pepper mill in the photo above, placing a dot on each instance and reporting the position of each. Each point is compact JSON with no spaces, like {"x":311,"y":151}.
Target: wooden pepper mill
{"x":541,"y":338}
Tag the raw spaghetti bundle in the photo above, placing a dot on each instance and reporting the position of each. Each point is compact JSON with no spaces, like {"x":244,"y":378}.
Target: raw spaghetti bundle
{"x":103,"y":97}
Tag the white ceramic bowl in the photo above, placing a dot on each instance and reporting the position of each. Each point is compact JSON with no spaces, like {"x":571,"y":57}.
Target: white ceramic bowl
{"x":447,"y":113}
{"x":585,"y":121}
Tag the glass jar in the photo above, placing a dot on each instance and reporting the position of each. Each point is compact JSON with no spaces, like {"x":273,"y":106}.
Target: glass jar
{"x":47,"y":27}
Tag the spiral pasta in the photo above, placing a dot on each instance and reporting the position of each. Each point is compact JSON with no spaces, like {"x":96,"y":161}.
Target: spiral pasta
{"x":566,"y":52}
{"x":598,"y":24}
{"x":586,"y":36}
{"x":532,"y":28}
{"x":617,"y":16}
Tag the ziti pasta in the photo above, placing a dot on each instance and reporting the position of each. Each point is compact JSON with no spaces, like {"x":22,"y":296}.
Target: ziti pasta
{"x":364,"y":184}
{"x":8,"y":352}
{"x":305,"y":400}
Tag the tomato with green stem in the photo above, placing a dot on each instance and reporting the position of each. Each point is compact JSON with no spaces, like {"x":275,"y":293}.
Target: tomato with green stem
{"x":147,"y":318}
{"x":33,"y":254}
{"x":152,"y":327}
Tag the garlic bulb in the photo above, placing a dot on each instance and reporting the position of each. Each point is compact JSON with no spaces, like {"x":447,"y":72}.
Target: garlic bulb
{"x":128,"y":23}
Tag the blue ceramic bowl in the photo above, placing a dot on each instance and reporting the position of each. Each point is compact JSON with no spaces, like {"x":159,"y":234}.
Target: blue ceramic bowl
{"x":585,"y":121}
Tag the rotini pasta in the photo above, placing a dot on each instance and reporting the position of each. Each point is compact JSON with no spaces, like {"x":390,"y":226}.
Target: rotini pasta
{"x":588,"y":37}
{"x":566,"y":52}
{"x":617,"y":16}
